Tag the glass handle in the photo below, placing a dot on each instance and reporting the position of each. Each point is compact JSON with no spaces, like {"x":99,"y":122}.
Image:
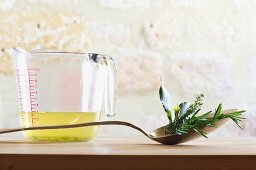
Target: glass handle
{"x":110,"y":87}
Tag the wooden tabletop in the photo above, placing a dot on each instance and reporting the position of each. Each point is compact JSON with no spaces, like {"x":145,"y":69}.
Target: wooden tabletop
{"x":128,"y":153}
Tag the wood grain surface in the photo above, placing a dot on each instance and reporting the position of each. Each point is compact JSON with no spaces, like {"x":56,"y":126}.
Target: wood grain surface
{"x":128,"y":153}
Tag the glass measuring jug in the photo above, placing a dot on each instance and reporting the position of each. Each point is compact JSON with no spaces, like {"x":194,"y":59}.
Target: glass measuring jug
{"x":57,"y":88}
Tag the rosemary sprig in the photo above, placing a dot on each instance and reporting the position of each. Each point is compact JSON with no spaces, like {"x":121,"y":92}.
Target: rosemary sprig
{"x":186,"y":118}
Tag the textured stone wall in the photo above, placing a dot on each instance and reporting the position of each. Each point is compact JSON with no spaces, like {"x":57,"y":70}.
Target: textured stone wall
{"x":199,"y":46}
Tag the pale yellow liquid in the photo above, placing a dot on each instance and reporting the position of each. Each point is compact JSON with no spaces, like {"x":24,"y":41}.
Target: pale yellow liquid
{"x":59,"y":118}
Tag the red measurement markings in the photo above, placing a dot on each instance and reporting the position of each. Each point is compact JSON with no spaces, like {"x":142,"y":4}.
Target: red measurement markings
{"x":34,"y":119}
{"x":32,"y":74}
{"x":32,"y":81}
{"x":19,"y":80}
{"x":27,"y":91}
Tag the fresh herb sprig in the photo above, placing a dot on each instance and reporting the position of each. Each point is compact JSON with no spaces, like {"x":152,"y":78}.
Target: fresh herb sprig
{"x":186,"y":115}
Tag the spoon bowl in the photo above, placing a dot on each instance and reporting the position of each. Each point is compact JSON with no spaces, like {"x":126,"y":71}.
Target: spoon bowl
{"x":158,"y":135}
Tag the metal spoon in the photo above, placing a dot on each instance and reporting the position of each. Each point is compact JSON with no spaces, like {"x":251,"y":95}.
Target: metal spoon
{"x":157,"y":135}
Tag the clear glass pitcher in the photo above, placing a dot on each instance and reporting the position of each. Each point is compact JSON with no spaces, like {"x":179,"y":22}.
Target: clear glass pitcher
{"x":57,"y":88}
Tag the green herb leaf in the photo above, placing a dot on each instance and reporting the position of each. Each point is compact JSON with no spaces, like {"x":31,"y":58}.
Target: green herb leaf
{"x":200,"y":131}
{"x":183,"y":108}
{"x":218,"y":111}
{"x":166,"y":100}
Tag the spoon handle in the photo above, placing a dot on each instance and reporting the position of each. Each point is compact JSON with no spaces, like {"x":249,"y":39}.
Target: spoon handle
{"x":122,"y":123}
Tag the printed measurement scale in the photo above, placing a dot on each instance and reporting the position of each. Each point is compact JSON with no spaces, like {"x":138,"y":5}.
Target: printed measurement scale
{"x":27,"y":91}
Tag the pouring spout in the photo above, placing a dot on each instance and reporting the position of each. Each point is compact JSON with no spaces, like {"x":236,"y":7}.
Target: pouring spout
{"x":19,"y":57}
{"x":16,"y":51}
